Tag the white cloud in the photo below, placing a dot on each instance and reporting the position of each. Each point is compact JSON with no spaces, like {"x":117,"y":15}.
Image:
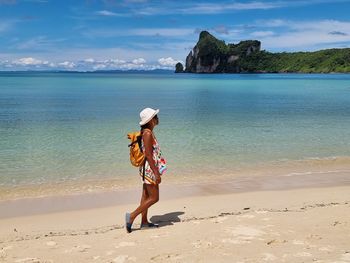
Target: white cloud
{"x":138,"y":61}
{"x":320,"y":25}
{"x":135,"y":1}
{"x":6,"y":64}
{"x":303,"y":40}
{"x":216,"y":8}
{"x":39,"y":42}
{"x":168,"y":32}
{"x":150,"y":32}
{"x":192,"y":7}
{"x":221,"y":29}
{"x":102,"y":64}
{"x":5,"y":25}
{"x":168,"y":62}
{"x":7,"y":2}
{"x":89,"y":64}
{"x":106,"y":13}
{"x":89,"y":60}
{"x":67,"y":64}
{"x":29,"y":61}
{"x":205,"y":8}
{"x":272,"y":23}
{"x":115,"y":61}
{"x":99,"y":67}
{"x":262,"y":33}
{"x":303,"y":35}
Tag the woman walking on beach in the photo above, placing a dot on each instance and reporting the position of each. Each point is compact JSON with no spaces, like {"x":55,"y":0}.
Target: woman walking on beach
{"x":150,"y":172}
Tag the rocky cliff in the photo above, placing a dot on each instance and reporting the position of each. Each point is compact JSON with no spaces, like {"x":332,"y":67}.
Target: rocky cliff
{"x":211,"y":55}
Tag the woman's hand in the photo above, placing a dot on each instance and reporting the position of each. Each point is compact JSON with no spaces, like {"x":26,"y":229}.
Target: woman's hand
{"x":158,"y":178}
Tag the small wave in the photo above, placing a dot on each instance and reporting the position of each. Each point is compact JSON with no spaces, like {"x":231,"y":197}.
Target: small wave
{"x":315,"y":160}
{"x":310,"y":172}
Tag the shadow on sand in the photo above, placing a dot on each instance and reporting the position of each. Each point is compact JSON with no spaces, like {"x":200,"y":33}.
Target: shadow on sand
{"x":167,"y":219}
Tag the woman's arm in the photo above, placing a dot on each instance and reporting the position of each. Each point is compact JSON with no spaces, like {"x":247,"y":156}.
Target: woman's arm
{"x":148,"y":143}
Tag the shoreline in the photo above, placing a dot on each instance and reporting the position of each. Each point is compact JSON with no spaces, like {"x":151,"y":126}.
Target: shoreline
{"x":261,"y":170}
{"x":168,"y":191}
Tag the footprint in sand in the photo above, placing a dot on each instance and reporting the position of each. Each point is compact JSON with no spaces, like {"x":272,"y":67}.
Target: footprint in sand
{"x":234,"y":241}
{"x":326,"y":249}
{"x":168,"y":257}
{"x":124,"y":258}
{"x":346,"y":257}
{"x":81,"y":248}
{"x":268,"y":226}
{"x":298,"y":242}
{"x":261,"y":212}
{"x":201,"y":243}
{"x":246,"y":216}
{"x":125,"y":244}
{"x":219,"y":220}
{"x":269,"y":257}
{"x":159,"y":236}
{"x":51,"y":244}
{"x":3,"y":253}
{"x":244,"y":232}
{"x":28,"y":260}
{"x":7,"y":248}
{"x":303,"y":254}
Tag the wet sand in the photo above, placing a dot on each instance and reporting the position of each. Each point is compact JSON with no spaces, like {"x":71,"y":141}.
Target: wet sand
{"x":238,"y":184}
{"x":251,"y":173}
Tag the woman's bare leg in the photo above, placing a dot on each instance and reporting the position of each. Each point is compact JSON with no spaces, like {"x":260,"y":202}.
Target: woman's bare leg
{"x":153,"y":197}
{"x":145,"y":196}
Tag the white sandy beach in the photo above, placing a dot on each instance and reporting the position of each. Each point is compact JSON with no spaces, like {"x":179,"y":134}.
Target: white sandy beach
{"x":297,"y":225}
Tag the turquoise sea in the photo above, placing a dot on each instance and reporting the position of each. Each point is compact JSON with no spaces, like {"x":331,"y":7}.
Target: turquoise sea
{"x":63,"y":127}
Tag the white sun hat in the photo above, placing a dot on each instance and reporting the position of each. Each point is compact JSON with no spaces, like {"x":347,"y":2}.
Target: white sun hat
{"x":147,"y":114}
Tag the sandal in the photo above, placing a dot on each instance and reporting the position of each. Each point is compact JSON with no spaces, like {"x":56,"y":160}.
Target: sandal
{"x":127,"y":223}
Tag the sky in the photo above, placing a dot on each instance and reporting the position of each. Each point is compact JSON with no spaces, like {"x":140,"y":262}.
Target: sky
{"x":87,"y":35}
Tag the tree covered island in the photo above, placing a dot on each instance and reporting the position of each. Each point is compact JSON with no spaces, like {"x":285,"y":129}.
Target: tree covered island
{"x":211,"y":55}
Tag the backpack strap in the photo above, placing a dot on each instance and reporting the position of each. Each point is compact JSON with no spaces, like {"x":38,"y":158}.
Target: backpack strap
{"x":131,"y":144}
{"x":143,"y":172}
{"x":139,"y":142}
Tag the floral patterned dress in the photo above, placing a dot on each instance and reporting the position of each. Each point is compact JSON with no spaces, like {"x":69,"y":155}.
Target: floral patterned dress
{"x":148,"y":177}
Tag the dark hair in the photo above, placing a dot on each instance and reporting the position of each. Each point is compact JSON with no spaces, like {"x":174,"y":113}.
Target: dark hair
{"x":145,"y":126}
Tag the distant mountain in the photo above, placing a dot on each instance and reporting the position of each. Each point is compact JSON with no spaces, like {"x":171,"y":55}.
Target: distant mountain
{"x":211,"y":55}
{"x":133,"y":71}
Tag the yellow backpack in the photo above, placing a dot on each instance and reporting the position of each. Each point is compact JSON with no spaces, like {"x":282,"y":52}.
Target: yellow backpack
{"x":137,"y":157}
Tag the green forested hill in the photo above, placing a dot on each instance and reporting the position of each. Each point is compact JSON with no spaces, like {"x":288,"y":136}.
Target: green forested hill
{"x":323,"y":61}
